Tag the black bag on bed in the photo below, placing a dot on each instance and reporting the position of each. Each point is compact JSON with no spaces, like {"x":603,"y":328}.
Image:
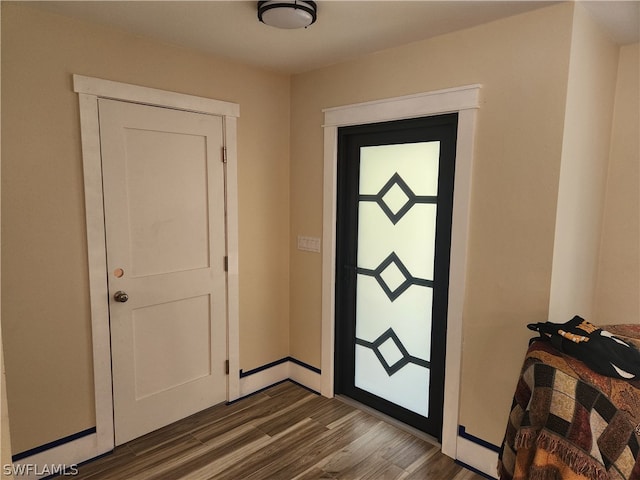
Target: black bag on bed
{"x":600,"y":350}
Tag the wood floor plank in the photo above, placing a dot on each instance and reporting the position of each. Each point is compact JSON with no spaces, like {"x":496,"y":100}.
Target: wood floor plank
{"x":225,"y":462}
{"x":285,"y":432}
{"x":300,"y":411}
{"x":314,"y":473}
{"x":119,"y":459}
{"x":288,"y":392}
{"x":407,"y":451}
{"x":374,"y":468}
{"x":380,"y":452}
{"x":269,"y":409}
{"x":156,"y":461}
{"x":439,"y":467}
{"x":331,"y":411}
{"x":247,"y":439}
{"x":302,"y":432}
{"x":465,"y":474}
{"x":360,"y":449}
{"x":292,"y":462}
{"x":194,"y":422}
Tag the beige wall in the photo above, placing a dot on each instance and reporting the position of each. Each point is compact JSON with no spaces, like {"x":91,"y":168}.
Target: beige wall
{"x":45,"y":305}
{"x":5,"y":437}
{"x":522,"y":63}
{"x":583,"y":173}
{"x":617,"y":297}
{"x":524,"y":66}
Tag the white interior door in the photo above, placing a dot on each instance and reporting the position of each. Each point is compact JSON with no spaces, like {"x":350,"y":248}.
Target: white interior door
{"x":165,"y":233}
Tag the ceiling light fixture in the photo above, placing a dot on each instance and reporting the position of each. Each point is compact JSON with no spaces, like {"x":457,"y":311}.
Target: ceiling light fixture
{"x":287,"y":13}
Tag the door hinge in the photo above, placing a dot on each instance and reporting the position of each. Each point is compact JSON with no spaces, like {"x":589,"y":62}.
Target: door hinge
{"x":226,"y":264}
{"x":224,"y":154}
{"x":226,"y":367}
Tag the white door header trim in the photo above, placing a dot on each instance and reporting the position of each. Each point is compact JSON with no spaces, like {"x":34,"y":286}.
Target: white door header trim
{"x":407,"y":106}
{"x":151,"y":96}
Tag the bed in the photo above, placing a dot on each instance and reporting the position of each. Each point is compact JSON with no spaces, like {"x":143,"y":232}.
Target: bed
{"x":570,"y":423}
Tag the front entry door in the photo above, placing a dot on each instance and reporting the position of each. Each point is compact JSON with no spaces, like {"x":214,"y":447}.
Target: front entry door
{"x":165,"y":232}
{"x":395,"y":198}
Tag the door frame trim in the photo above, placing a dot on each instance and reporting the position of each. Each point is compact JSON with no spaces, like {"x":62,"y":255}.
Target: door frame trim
{"x":465,"y":101}
{"x":89,"y":90}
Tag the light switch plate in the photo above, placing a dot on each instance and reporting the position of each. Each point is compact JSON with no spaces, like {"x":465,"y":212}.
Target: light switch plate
{"x":309,"y":244}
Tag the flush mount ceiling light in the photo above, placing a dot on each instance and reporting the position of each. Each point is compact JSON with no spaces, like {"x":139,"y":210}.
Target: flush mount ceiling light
{"x":287,"y":13}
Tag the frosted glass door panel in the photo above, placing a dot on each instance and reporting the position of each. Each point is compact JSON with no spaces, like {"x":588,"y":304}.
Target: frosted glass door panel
{"x":413,"y":307}
{"x":413,"y":238}
{"x":398,"y":189}
{"x":407,"y":388}
{"x":380,"y":167}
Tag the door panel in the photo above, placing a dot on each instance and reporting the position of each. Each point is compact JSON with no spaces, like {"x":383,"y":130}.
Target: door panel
{"x":395,"y":191}
{"x":158,"y":329}
{"x":165,"y":231}
{"x":169,"y":223}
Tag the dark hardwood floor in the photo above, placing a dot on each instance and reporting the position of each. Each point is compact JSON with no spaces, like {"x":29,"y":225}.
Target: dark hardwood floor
{"x":283,"y":433}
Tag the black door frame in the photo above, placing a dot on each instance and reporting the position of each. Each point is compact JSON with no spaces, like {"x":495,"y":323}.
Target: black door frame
{"x":438,"y":127}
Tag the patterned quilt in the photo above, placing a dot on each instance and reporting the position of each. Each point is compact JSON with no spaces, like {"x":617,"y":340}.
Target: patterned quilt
{"x":569,"y":423}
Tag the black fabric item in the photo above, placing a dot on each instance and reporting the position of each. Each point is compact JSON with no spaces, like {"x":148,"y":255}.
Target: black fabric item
{"x":603,"y":352}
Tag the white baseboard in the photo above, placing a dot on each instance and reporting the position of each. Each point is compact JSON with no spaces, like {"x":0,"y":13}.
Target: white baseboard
{"x":66,"y":456}
{"x":287,"y":370}
{"x":264,"y":378}
{"x":305,"y":377}
{"x":481,"y":458}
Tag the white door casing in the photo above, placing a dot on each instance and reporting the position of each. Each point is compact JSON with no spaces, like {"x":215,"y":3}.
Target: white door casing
{"x":163,"y":183}
{"x":465,"y":100}
{"x":90,"y":90}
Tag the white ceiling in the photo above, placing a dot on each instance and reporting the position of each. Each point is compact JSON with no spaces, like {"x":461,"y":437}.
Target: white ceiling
{"x":344,"y":29}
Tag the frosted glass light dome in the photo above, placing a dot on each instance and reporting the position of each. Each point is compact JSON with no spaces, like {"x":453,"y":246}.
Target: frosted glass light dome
{"x":288,"y":14}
